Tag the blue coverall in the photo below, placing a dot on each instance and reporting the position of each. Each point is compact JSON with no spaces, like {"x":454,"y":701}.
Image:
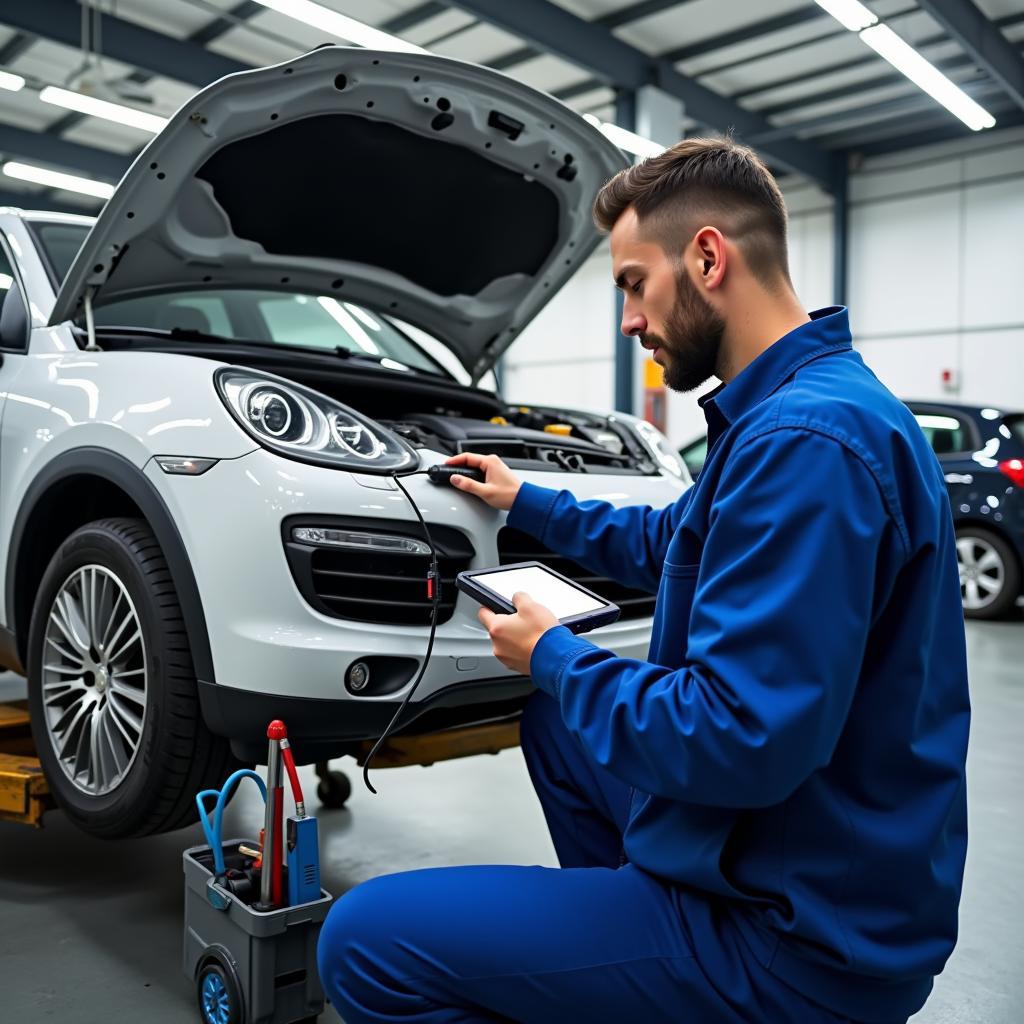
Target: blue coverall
{"x":764,"y":821}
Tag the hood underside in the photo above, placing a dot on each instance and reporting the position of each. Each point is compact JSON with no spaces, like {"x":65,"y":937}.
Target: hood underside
{"x":441,"y":192}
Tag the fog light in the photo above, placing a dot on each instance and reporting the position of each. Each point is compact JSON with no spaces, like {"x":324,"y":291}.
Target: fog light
{"x":358,"y":676}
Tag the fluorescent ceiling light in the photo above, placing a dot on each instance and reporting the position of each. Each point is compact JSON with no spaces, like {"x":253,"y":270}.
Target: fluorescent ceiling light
{"x":850,"y":13}
{"x":116,"y":112}
{"x":12,"y":83}
{"x":627,"y":140}
{"x":340,"y":25}
{"x":903,"y":57}
{"x":55,"y":179}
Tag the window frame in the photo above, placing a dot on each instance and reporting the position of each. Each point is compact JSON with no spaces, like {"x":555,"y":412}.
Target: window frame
{"x":16,"y":282}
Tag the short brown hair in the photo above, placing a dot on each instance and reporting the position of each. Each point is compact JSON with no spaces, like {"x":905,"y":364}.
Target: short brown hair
{"x":705,"y":181}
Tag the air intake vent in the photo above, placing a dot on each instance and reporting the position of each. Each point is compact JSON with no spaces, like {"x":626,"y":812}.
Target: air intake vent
{"x":376,"y":586}
{"x":516,"y":546}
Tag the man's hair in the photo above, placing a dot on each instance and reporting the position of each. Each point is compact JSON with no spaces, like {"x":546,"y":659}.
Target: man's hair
{"x":704,"y":181}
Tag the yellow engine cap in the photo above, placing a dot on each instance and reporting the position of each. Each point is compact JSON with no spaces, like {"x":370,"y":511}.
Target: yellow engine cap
{"x":499,"y":421}
{"x":562,"y":429}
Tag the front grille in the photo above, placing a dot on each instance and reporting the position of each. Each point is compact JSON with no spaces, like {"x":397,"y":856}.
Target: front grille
{"x":516,"y":546}
{"x":372,"y":586}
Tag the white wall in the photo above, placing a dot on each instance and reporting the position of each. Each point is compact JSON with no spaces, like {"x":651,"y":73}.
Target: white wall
{"x":936,"y":281}
{"x":566,"y":356}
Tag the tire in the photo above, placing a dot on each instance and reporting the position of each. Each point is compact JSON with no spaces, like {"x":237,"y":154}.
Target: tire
{"x":121,"y":737}
{"x":989,"y":573}
{"x":219,"y":1000}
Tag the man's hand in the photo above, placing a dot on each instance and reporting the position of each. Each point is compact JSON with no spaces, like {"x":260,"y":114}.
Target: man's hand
{"x":515,"y":636}
{"x":501,"y":485}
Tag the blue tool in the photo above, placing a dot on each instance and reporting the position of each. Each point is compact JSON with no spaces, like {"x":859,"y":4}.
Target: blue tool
{"x":213,"y":830}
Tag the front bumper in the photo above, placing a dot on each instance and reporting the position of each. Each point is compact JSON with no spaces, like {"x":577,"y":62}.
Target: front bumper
{"x":268,"y":642}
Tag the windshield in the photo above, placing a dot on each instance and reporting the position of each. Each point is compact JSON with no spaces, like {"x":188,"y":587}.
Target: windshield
{"x":248,"y":314}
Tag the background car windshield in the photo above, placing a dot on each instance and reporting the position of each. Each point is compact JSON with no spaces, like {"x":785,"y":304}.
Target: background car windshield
{"x":248,"y":314}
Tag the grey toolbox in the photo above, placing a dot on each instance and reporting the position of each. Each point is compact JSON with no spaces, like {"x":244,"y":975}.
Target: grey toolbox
{"x":248,"y":967}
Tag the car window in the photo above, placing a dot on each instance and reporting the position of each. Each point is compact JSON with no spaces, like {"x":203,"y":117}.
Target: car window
{"x":283,"y":318}
{"x":945,"y":432}
{"x":13,"y":316}
{"x":1015,"y":424}
{"x":60,"y":244}
{"x":695,"y":455}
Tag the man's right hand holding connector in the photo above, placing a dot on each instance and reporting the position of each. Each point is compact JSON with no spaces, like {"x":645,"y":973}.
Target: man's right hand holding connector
{"x":500,"y":486}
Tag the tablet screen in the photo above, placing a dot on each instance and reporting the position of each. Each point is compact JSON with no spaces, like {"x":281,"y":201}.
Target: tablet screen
{"x":561,"y":597}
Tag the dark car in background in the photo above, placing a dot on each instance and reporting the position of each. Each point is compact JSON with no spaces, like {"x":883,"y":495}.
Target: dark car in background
{"x":981,"y":451}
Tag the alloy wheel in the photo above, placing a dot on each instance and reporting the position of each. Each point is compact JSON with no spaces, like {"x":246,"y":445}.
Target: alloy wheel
{"x":94,"y":679}
{"x":982,"y":573}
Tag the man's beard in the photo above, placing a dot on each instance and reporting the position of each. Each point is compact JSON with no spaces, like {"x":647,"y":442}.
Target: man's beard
{"x":692,"y":340}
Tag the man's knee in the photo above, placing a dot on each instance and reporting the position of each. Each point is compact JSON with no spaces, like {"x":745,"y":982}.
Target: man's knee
{"x":353,"y":953}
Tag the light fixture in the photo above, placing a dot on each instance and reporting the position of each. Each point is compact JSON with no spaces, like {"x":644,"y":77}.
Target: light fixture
{"x":57,"y":179}
{"x":323,"y":536}
{"x":851,"y":14}
{"x":184,"y":466}
{"x":627,"y":140}
{"x":904,"y":58}
{"x":10,"y":82}
{"x":340,"y":25}
{"x":116,"y":112}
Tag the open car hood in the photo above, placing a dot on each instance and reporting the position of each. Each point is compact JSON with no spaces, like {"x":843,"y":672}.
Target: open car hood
{"x":441,"y":192}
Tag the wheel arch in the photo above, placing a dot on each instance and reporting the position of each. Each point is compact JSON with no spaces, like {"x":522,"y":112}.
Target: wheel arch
{"x":103,"y":484}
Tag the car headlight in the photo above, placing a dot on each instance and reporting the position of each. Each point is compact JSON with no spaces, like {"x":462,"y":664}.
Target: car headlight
{"x":303,"y":424}
{"x":658,"y":445}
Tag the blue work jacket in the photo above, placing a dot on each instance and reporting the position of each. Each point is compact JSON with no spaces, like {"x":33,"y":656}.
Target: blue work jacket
{"x":796,"y":739}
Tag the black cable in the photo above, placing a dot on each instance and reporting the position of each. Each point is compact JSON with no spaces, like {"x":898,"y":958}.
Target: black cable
{"x":435,"y":601}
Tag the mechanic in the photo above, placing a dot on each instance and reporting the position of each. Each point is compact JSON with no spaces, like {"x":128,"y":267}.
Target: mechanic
{"x":765,"y":821}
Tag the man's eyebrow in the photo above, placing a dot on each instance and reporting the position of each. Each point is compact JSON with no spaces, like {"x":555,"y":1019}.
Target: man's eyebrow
{"x":620,"y":281}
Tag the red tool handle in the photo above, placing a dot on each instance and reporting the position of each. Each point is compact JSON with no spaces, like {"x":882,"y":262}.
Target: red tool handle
{"x":277,"y":853}
{"x":293,"y":776}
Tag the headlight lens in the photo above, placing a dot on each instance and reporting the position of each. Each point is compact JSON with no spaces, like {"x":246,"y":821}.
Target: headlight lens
{"x":303,"y":424}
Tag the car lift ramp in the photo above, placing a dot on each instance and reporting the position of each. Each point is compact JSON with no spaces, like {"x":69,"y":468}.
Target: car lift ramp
{"x":24,"y":795}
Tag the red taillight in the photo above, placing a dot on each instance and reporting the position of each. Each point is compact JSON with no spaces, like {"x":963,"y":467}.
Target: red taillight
{"x":1014,"y":469}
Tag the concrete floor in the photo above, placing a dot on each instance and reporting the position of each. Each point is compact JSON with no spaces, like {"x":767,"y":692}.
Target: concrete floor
{"x":92,"y":931}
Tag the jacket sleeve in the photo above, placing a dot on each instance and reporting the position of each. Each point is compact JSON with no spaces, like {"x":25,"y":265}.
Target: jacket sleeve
{"x":626,"y":544}
{"x":777,"y":634}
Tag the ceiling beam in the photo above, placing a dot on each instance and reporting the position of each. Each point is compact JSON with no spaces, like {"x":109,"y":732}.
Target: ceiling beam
{"x":745,"y":33}
{"x":15,"y":47}
{"x":556,"y":30}
{"x":179,"y":59}
{"x":1012,"y":118}
{"x":41,"y":201}
{"x":637,"y":12}
{"x":69,"y":156}
{"x":969,"y":26}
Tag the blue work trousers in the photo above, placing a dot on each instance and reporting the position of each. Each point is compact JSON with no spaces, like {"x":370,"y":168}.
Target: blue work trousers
{"x":593,"y":941}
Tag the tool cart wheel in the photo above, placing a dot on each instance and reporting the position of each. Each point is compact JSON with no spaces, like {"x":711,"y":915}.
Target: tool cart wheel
{"x":218,"y":995}
{"x":333,"y":789}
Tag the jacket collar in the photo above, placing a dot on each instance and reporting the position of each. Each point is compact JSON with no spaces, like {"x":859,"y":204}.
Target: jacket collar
{"x":827,"y":332}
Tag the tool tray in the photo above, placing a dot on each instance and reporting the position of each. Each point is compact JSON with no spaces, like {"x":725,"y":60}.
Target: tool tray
{"x":268,"y":957}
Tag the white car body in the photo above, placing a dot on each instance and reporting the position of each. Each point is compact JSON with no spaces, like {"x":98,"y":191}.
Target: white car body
{"x":93,"y":421}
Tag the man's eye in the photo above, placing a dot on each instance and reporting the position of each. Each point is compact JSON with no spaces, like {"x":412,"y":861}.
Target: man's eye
{"x":636,"y":287}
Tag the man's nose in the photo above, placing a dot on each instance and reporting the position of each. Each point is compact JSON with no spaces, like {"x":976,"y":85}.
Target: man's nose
{"x":633,"y":322}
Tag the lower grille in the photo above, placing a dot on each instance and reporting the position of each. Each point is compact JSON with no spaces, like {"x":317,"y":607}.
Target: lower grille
{"x":376,"y":586}
{"x":516,"y":546}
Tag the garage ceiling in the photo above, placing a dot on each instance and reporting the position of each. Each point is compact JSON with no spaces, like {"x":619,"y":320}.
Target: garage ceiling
{"x":786,"y":75}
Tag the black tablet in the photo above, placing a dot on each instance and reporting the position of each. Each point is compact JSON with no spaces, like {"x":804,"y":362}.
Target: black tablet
{"x":575,"y":606}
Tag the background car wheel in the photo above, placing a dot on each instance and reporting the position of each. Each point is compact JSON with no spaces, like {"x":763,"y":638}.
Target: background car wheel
{"x":112,"y":690}
{"x":989,"y":574}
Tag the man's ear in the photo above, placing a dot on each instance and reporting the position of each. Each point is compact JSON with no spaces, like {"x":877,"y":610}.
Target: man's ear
{"x":710,"y":257}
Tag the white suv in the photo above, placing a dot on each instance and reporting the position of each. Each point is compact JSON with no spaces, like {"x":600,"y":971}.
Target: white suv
{"x":207,"y":393}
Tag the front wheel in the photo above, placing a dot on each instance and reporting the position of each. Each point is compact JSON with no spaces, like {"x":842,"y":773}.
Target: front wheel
{"x":112,"y":691}
{"x":989,"y":574}
{"x":219,"y":999}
